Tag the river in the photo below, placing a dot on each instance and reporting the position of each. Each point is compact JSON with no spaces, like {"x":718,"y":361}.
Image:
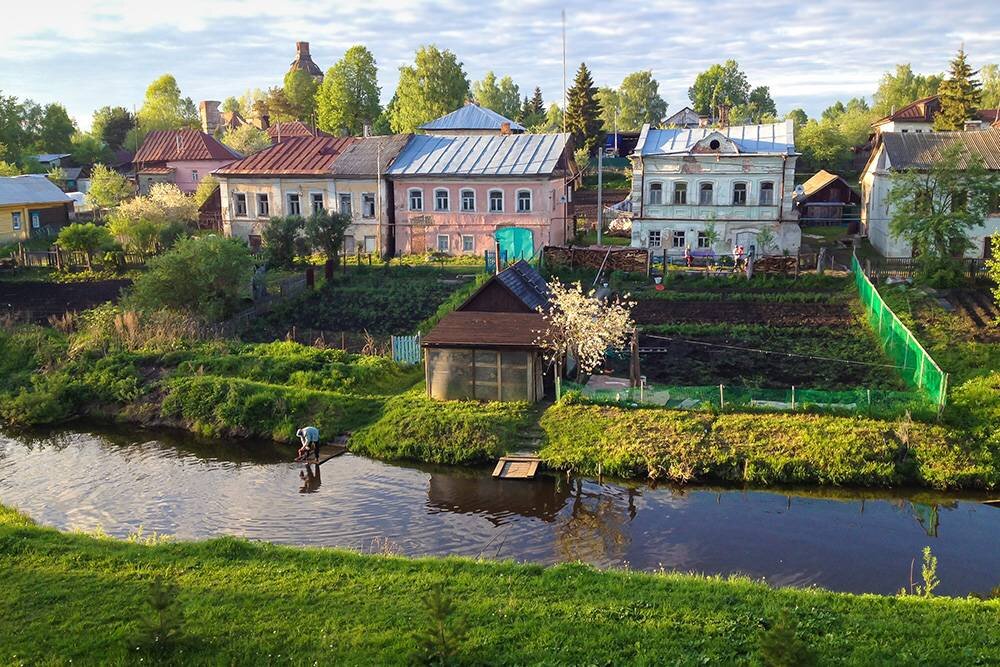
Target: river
{"x":117,"y":481}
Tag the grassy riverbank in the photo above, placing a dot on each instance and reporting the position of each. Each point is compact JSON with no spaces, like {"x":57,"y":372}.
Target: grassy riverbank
{"x":73,"y":597}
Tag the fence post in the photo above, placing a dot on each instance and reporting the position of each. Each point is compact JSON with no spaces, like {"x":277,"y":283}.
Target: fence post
{"x":722,"y":398}
{"x":310,"y":277}
{"x":793,"y":397}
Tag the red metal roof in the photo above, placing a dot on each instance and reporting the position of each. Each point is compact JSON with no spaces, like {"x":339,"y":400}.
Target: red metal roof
{"x":988,"y":116}
{"x":922,"y":110}
{"x":294,"y":128}
{"x":299,"y":156}
{"x":171,"y":145}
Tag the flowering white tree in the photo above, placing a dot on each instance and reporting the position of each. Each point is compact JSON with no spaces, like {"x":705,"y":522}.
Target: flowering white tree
{"x":578,"y":323}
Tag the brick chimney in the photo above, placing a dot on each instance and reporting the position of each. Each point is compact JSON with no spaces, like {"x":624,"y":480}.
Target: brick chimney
{"x":505,"y":127}
{"x":208,"y":110}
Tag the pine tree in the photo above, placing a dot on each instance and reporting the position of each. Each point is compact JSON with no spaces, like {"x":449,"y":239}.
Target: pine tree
{"x":583,"y":112}
{"x":537,"y":104}
{"x":960,"y":95}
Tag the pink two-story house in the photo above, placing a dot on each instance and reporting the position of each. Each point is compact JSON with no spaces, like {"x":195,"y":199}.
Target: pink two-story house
{"x":181,"y":157}
{"x":453,"y":193}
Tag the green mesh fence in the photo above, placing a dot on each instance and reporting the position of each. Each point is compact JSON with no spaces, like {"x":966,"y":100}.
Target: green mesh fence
{"x":725,"y":396}
{"x":915,"y":365}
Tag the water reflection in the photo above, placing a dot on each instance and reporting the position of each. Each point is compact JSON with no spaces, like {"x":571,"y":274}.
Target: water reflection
{"x":173,"y":483}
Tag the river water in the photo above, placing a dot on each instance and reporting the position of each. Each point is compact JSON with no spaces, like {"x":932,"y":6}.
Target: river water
{"x":859,"y":541}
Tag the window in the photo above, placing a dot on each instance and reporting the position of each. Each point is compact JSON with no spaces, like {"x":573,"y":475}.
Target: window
{"x":468,"y":243}
{"x":15,"y":219}
{"x":739,"y":194}
{"x":680,"y":193}
{"x":678,"y":240}
{"x":194,"y":175}
{"x":369,"y":244}
{"x":496,"y":201}
{"x":441,"y":200}
{"x":255,"y":242}
{"x":655,"y":193}
{"x":263,"y":205}
{"x":368,"y":205}
{"x":654,"y":238}
{"x":767,"y":194}
{"x":468,"y":200}
{"x":416,"y":200}
{"x":703,"y":240}
{"x":36,"y":219}
{"x":442,"y":243}
{"x":523,"y":201}
{"x":317,"y":201}
{"x":705,"y":194}
{"x":294,"y":205}
{"x":241,"y":205}
{"x":345,"y":204}
{"x":350,"y":245}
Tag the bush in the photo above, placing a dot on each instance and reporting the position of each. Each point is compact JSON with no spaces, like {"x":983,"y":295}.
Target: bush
{"x":279,"y":236}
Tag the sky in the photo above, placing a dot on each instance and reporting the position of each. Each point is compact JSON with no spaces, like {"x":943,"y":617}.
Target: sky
{"x":90,"y":53}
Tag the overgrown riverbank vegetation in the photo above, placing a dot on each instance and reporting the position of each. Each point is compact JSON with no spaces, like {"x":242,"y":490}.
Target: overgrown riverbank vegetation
{"x":88,"y":599}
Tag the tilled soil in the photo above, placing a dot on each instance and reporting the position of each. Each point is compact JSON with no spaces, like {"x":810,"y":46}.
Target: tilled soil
{"x":773,"y":314}
{"x":38,"y":300}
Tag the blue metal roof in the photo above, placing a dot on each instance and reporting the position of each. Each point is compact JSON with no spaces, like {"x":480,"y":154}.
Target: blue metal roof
{"x":480,"y":155}
{"x":471,"y":117}
{"x":770,"y":138}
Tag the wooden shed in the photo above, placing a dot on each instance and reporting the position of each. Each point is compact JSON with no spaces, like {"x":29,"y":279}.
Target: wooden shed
{"x":824,"y":197}
{"x":487,"y":349}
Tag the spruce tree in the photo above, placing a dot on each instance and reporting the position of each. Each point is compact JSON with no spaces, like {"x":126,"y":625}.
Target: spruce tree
{"x":583,"y":111}
{"x":537,"y":104}
{"x":960,"y":95}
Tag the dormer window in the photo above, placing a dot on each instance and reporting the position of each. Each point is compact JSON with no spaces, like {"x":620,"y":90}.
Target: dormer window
{"x":714,"y":144}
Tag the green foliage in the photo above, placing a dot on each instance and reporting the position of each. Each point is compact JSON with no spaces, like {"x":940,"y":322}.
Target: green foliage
{"x":56,"y":130}
{"x":532,"y":111}
{"x":719,"y":86}
{"x":161,"y":629}
{"x":583,"y":112}
{"x":990,"y":76}
{"x":993,"y":267}
{"x":279,"y":236}
{"x":440,"y":642}
{"x":502,"y":96}
{"x":111,"y":125}
{"x":164,"y":109}
{"x":348,"y":98}
{"x":928,"y":572}
{"x":300,"y":93}
{"x":639,"y":102}
{"x":206,"y":276}
{"x":325,"y":232}
{"x":89,"y":149}
{"x":108,"y":188}
{"x":456,"y":299}
{"x":87,"y":238}
{"x":899,"y":88}
{"x":960,"y":95}
{"x":206,"y":188}
{"x":8,"y":169}
{"x":433,"y":86}
{"x":416,"y":428}
{"x":781,"y":645}
{"x":246,"y":139}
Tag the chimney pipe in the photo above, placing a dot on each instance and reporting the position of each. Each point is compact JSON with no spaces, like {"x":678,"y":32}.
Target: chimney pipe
{"x":505,"y":127}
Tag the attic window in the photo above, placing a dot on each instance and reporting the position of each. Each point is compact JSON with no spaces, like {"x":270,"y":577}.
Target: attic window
{"x":714,"y":144}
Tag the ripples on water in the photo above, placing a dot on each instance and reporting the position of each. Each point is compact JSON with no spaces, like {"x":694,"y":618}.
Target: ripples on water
{"x":178,"y":485}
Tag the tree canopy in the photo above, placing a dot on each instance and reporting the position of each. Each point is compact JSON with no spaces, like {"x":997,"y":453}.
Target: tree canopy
{"x":56,"y":132}
{"x":721,"y":85}
{"x":583,"y":112}
{"x":300,"y":94}
{"x":960,"y":95}
{"x":85,"y":237}
{"x":108,"y":188}
{"x":111,"y":125}
{"x":348,"y":99}
{"x":532,"y":110}
{"x":433,"y":86}
{"x":502,"y":96}
{"x":899,"y":88}
{"x":164,"y":108}
{"x":990,"y":76}
{"x":246,"y":139}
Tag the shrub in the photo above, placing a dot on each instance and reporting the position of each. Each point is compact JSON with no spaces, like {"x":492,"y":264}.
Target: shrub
{"x":279,"y":236}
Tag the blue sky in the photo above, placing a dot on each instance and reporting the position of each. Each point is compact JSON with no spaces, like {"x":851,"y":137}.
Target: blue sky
{"x":86,"y":54}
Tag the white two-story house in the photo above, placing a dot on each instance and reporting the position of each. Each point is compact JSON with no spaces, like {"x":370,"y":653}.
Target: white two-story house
{"x":738,"y":181}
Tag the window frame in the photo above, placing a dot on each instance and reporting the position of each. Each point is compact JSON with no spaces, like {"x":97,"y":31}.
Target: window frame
{"x":194,"y":175}
{"x":766,"y":186}
{"x":659,"y":238}
{"x":745,"y":191}
{"x":15,"y":220}
{"x":462,"y":198}
{"x":348,"y":198}
{"x":409,"y":199}
{"x":680,"y":188}
{"x":489,"y":199}
{"x":471,"y":245}
{"x":678,"y":235}
{"x":366,"y":199}
{"x":312,"y":202}
{"x":437,"y":244}
{"x":437,"y":199}
{"x":702,"y":241}
{"x":517,"y":200}
{"x":238,"y":198}
{"x":711,"y":193}
{"x":657,"y":187}
{"x":297,"y":201}
{"x":264,"y":210}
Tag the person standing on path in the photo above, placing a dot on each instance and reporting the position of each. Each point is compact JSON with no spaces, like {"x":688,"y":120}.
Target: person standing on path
{"x":309,"y":436}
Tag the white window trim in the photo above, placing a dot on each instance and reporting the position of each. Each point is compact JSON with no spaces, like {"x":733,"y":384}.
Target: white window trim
{"x":372,"y":195}
{"x":312,"y":194}
{"x":236,"y":205}
{"x":673,"y":193}
{"x":746,"y":193}
{"x":473,"y":244}
{"x":409,"y":199}
{"x":340,"y":203}
{"x":649,"y":193}
{"x":531,"y":200}
{"x":437,"y":242}
{"x":760,"y":193}
{"x":673,"y":238}
{"x":257,"y":207}
{"x":489,"y":201}
{"x":15,"y":220}
{"x":709,"y":183}
{"x":447,"y":194}
{"x":461,"y":200}
{"x":288,"y":202}
{"x":659,"y":238}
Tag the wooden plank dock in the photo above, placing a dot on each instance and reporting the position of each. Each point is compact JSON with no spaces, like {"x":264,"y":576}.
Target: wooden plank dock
{"x":517,"y":467}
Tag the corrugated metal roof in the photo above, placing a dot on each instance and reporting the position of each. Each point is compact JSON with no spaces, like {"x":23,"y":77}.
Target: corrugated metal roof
{"x":471,"y":117}
{"x":362,"y":158}
{"x":500,"y":155}
{"x":923,"y":109}
{"x":157,"y":170}
{"x":770,"y":138}
{"x":920,"y":150}
{"x":169,"y":145}
{"x":490,"y":330}
{"x":685,"y":116}
{"x":298,"y":156}
{"x":294,"y":128}
{"x":526,"y":284}
{"x":31,"y":189}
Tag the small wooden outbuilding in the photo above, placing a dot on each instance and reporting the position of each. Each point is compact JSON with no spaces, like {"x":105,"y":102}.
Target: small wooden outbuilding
{"x":824,"y":197}
{"x":487,"y":349}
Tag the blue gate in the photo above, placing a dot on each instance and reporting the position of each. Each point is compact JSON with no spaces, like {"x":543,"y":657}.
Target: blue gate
{"x":406,"y":349}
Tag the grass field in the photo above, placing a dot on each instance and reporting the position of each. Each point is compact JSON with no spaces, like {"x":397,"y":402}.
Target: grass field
{"x":76,"y":598}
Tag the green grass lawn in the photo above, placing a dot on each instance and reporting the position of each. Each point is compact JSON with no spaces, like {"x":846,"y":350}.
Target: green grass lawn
{"x":76,"y":598}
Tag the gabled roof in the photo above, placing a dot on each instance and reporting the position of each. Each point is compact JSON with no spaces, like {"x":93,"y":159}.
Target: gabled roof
{"x":922,"y":110}
{"x":685,"y":116}
{"x":31,"y":189}
{"x":297,"y":156}
{"x":920,"y":150}
{"x":174,"y":145}
{"x":471,"y":117}
{"x":526,"y":284}
{"x":491,"y":330}
{"x":369,"y":154}
{"x":294,"y":128}
{"x":773,"y":138}
{"x":464,"y":155}
{"x":820,"y":180}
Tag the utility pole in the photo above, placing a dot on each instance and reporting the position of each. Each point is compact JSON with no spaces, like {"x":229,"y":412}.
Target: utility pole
{"x":378,"y":196}
{"x":600,"y":195}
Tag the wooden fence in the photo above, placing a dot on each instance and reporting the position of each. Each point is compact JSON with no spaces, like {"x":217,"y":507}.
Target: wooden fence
{"x":974,"y":269}
{"x":287,"y":289}
{"x":613,"y":258}
{"x":57,"y":258}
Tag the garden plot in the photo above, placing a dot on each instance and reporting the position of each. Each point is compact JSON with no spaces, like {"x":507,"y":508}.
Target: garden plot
{"x":38,"y":300}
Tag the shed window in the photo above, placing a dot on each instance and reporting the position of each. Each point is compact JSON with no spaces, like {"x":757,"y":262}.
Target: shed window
{"x":368,"y":205}
{"x":654,"y":238}
{"x":194,"y":175}
{"x":345,"y":204}
{"x":767,"y":193}
{"x":468,"y":200}
{"x":680,"y":193}
{"x":496,"y":201}
{"x":523,"y":201}
{"x":655,"y":193}
{"x":441,"y":202}
{"x":241,"y":205}
{"x":416,"y":200}
{"x":317,"y":202}
{"x":263,"y":205}
{"x":739,"y":194}
{"x":442,"y":243}
{"x":15,"y":219}
{"x":705,"y":194}
{"x":677,"y":241}
{"x":294,"y":205}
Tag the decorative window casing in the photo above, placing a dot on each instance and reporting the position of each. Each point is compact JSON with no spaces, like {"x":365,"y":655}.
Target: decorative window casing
{"x":468,"y":243}
{"x":468,"y":201}
{"x":441,"y":200}
{"x":677,"y":239}
{"x":680,"y":193}
{"x":524,"y":201}
{"x":496,"y":201}
{"x":240,"y":202}
{"x":415,"y":199}
{"x":316,"y":200}
{"x":705,"y":194}
{"x":703,"y":240}
{"x":443,"y":243}
{"x":263,"y":205}
{"x":767,"y":193}
{"x":654,"y":238}
{"x":739,"y":194}
{"x":655,"y":194}
{"x":294,"y":204}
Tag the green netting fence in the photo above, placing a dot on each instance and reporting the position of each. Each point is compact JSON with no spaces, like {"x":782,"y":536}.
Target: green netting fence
{"x":917,"y":368}
{"x":719,"y":397}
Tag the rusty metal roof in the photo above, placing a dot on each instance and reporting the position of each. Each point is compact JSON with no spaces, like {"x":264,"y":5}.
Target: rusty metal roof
{"x":298,"y":156}
{"x":294,"y":128}
{"x":486,"y":330}
{"x":920,"y":150}
{"x":923,"y":110}
{"x":172,"y":145}
{"x":367,"y":154}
